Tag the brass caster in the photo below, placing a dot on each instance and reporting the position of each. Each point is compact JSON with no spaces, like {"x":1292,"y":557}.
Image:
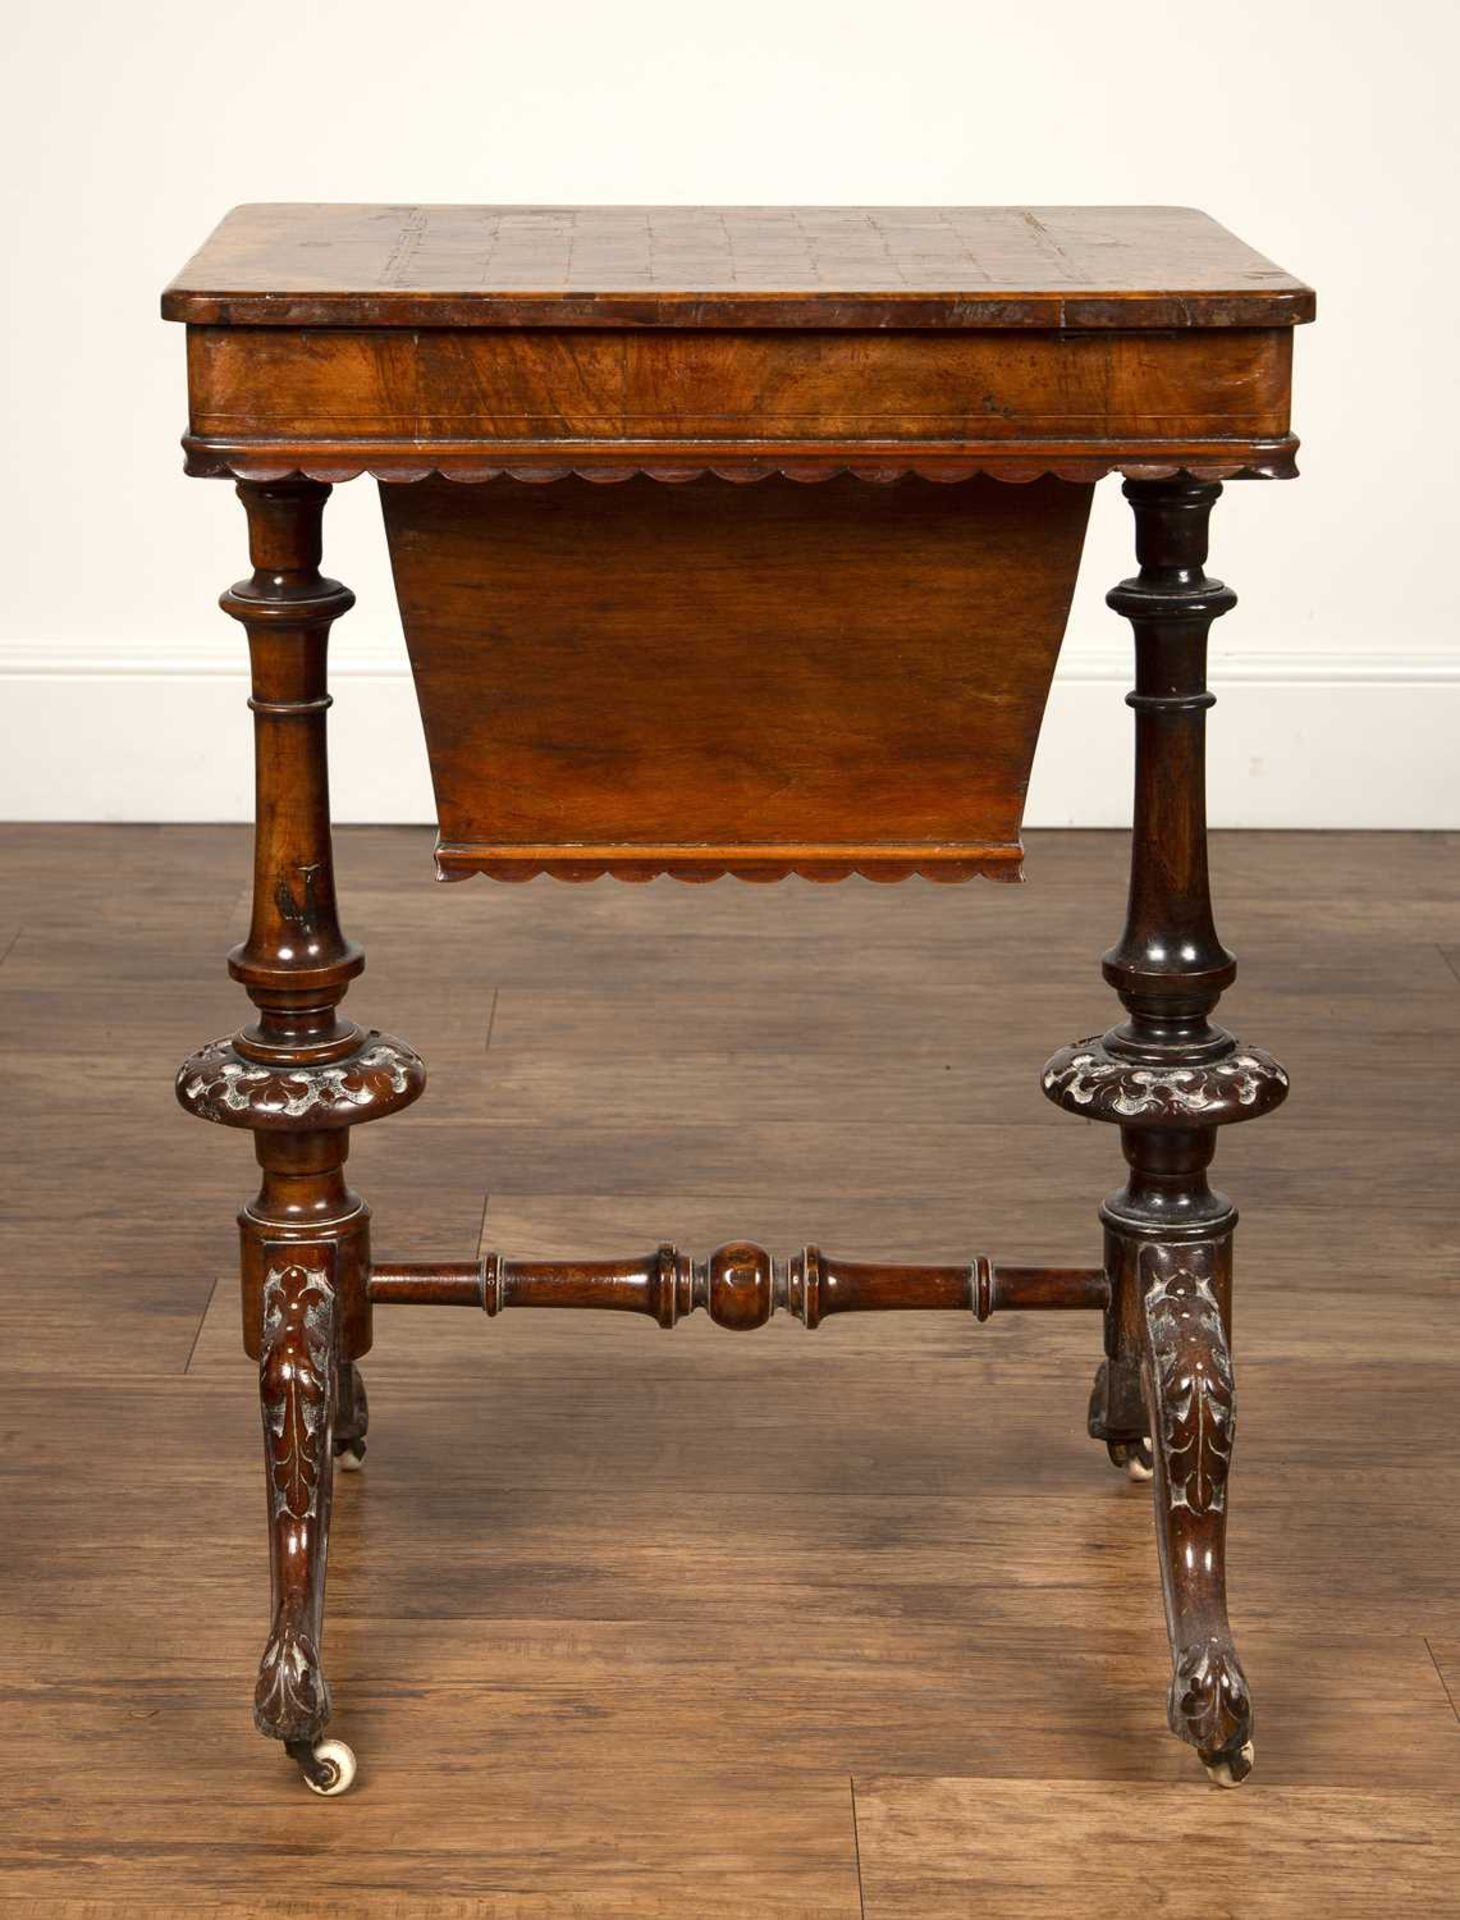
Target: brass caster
{"x":1133,"y":1455}
{"x":328,"y":1766}
{"x":1231,"y":1767}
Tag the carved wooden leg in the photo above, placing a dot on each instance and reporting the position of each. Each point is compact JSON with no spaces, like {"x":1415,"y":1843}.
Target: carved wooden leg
{"x":298,"y":1078}
{"x":1169,"y":1078}
{"x":297,"y":1385}
{"x":1193,"y":1422}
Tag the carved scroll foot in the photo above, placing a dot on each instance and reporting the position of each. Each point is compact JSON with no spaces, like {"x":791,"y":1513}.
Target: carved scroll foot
{"x":297,"y":1392}
{"x":1192,"y":1402}
{"x":352,"y":1419}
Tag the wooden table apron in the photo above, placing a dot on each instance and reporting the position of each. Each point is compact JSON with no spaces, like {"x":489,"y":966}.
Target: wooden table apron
{"x":737,"y":542}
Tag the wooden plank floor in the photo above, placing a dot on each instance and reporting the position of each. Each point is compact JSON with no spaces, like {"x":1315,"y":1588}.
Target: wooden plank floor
{"x":856,"y":1623}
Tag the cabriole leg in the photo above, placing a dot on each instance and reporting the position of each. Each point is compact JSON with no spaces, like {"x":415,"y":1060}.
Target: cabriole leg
{"x":1192,"y":1395}
{"x":298,"y":1375}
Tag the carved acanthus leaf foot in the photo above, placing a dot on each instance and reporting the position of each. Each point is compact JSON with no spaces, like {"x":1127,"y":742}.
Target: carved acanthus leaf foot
{"x":292,"y":1699}
{"x":1210,"y":1705}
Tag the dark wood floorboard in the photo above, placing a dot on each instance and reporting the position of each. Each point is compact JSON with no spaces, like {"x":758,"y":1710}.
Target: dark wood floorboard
{"x":623,"y":1624}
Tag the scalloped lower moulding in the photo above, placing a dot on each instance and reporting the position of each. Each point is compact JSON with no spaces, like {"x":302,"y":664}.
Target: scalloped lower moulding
{"x":885,"y":865}
{"x":469,"y":463}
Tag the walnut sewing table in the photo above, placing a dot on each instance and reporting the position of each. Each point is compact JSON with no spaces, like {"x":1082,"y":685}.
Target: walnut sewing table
{"x":737,"y":541}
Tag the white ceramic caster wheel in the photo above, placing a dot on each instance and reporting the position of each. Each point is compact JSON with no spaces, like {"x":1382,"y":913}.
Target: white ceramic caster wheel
{"x":1228,"y":1769}
{"x":350,"y":1462}
{"x":340,"y":1759}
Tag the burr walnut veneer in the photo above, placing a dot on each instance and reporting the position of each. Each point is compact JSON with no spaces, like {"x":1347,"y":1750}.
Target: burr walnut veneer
{"x":737,"y":541}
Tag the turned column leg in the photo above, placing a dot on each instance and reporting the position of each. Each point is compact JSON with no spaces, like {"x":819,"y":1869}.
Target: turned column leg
{"x":1169,"y":1077}
{"x":298,"y":1077}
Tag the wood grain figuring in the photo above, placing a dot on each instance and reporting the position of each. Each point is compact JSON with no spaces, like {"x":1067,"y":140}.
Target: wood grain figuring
{"x":869,"y":267}
{"x":473,"y":342}
{"x":616,"y":1619}
{"x":927,"y":1841}
{"x":707,"y":679}
{"x":712,"y":389}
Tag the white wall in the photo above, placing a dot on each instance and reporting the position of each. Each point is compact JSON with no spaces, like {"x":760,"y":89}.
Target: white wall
{"x":1321,"y":130}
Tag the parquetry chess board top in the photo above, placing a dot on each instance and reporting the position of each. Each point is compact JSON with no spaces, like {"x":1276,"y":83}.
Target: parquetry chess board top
{"x":304,"y":265}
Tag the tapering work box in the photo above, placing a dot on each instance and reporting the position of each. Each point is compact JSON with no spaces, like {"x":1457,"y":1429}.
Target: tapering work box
{"x":737,"y":541}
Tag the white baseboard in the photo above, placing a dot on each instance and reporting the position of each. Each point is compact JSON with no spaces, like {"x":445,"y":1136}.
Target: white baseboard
{"x":1299,"y":739}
